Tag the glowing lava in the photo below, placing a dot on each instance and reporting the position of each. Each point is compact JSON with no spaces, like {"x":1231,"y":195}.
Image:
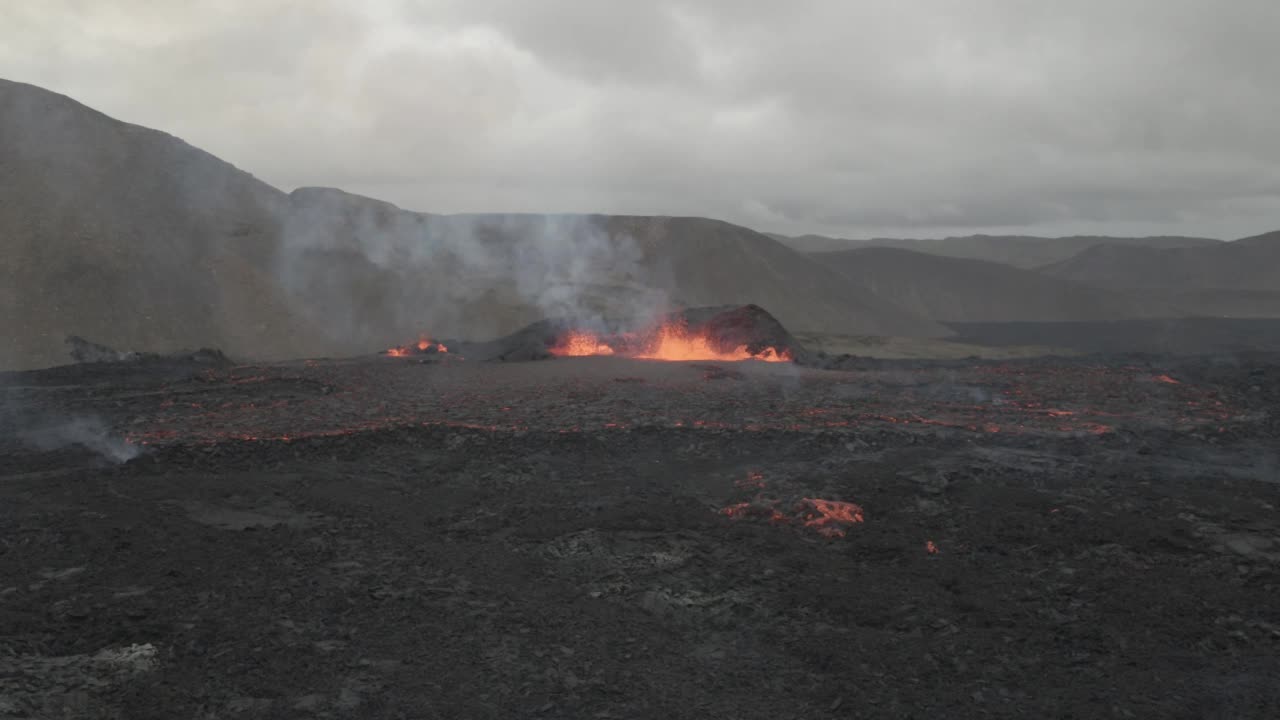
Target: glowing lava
{"x":673,"y":343}
{"x":577,"y":343}
{"x":669,"y":342}
{"x":930,"y":547}
{"x":830,"y":518}
{"x":423,"y":346}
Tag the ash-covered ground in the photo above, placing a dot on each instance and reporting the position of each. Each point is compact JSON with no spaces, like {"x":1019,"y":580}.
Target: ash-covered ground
{"x":611,"y":538}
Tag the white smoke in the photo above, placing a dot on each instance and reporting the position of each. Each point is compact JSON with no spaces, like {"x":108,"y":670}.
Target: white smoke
{"x":87,"y":432}
{"x":361,"y":267}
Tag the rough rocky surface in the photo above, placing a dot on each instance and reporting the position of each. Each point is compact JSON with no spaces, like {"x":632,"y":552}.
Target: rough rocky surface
{"x":84,"y":351}
{"x":605,"y":538}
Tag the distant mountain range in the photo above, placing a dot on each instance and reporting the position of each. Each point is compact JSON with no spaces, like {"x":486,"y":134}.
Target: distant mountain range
{"x":133,"y":238}
{"x":1248,"y":264}
{"x":1023,"y":251}
{"x":962,"y":290}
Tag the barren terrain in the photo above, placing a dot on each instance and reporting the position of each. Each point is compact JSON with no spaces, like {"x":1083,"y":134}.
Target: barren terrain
{"x":429,"y":537}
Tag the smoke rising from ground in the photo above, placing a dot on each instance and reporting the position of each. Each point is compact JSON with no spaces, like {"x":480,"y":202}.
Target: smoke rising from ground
{"x":466,"y":276}
{"x":87,"y":432}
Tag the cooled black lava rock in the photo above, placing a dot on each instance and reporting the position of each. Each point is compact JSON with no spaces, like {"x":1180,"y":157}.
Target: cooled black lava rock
{"x":84,"y":351}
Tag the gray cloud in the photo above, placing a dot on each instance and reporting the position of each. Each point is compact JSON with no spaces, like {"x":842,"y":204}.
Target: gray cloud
{"x":855,"y":118}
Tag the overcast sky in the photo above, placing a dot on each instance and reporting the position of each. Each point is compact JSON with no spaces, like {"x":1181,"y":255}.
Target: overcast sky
{"x":843,"y":117}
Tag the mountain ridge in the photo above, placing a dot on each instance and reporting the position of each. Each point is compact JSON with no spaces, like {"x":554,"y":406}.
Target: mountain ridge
{"x":1022,"y":251}
{"x":950,"y":290}
{"x":134,"y":238}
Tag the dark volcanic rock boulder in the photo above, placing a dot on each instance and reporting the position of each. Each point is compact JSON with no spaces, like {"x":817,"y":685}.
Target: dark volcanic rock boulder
{"x":729,"y":327}
{"x":529,"y":343}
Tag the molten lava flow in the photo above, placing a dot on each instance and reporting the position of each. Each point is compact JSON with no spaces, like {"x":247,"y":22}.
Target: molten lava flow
{"x":739,"y":511}
{"x":830,"y":517}
{"x":670,"y":341}
{"x":578,"y":343}
{"x":673,"y":342}
{"x":423,"y":346}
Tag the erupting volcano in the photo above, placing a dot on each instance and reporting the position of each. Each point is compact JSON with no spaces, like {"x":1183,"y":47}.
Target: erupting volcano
{"x":670,"y":342}
{"x":424,"y":346}
{"x":726,"y":334}
{"x":577,"y":343}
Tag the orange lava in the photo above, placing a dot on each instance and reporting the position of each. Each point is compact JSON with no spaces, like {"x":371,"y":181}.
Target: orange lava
{"x":830,"y":517}
{"x":669,"y":342}
{"x":424,"y":344}
{"x":578,"y":343}
{"x":739,"y":511}
{"x":1166,"y":380}
{"x":674,"y":343}
{"x":930,"y":548}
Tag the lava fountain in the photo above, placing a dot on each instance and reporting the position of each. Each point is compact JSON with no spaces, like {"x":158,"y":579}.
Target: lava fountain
{"x":578,"y":343}
{"x":670,"y":341}
{"x":424,"y":346}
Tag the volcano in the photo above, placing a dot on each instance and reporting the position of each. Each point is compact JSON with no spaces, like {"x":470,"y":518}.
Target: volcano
{"x":729,"y":333}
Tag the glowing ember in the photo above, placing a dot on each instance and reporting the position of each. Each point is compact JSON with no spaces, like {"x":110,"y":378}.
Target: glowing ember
{"x":930,"y":548}
{"x":830,"y":517}
{"x":670,"y":342}
{"x":423,"y":346}
{"x":577,"y":343}
{"x":1165,"y":379}
{"x":739,"y":511}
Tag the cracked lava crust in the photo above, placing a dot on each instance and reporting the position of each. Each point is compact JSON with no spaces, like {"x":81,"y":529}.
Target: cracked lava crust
{"x":414,"y":535}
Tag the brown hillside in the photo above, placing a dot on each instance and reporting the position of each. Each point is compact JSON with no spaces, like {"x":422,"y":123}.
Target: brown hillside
{"x":958,"y":290}
{"x":1247,"y":264}
{"x":133,"y":238}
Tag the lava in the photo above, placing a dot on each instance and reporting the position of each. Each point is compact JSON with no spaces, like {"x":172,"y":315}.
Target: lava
{"x":829,"y":518}
{"x":579,"y":343}
{"x":930,"y":547}
{"x":424,"y":346}
{"x":674,"y":343}
{"x":670,"y":342}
